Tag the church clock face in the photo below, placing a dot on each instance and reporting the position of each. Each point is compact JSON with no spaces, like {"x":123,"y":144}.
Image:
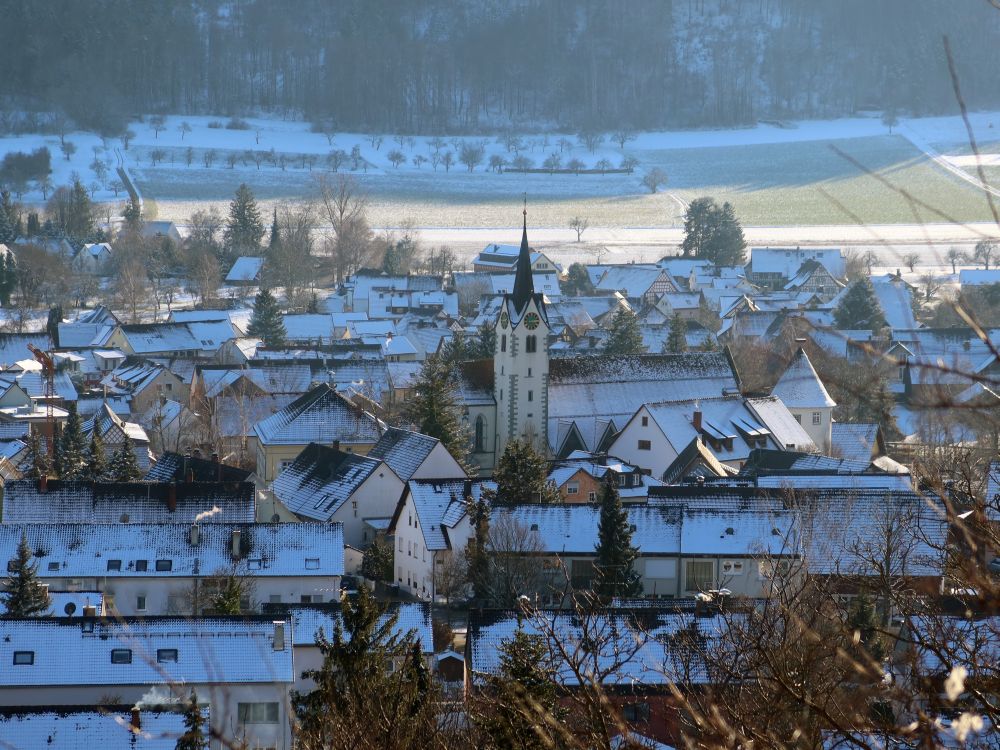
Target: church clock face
{"x":531,"y":321}
{"x":504,"y":320}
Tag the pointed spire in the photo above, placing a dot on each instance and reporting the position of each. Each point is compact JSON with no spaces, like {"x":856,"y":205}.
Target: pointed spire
{"x":524,"y":287}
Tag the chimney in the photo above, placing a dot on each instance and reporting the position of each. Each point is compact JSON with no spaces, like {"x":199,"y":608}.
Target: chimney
{"x":189,"y":477}
{"x":235,"y":543}
{"x":218,"y":467}
{"x":89,"y":610}
{"x":136,"y":719}
{"x":696,"y":420}
{"x":336,"y":445}
{"x":279,"y":635}
{"x":194,"y":535}
{"x":43,"y":484}
{"x":172,"y":497}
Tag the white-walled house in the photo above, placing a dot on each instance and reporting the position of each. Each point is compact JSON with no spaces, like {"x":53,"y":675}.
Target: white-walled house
{"x":173,"y":568}
{"x":431,"y":523}
{"x":801,"y":390}
{"x":412,"y":455}
{"x":327,"y":484}
{"x":240,"y":667}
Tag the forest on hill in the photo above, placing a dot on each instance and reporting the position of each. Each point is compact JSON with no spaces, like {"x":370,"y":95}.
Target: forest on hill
{"x":422,"y":66}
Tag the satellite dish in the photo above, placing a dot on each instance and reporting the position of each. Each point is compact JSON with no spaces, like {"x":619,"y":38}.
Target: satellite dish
{"x":69,"y":609}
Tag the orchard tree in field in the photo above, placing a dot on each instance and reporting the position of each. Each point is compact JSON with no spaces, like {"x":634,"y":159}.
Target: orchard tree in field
{"x":676,"y":342}
{"x":123,"y":466}
{"x":157,"y":123}
{"x":614,"y":574}
{"x":184,"y":128}
{"x":23,"y":593}
{"x":521,"y":475}
{"x":984,"y":252}
{"x":471,"y":155}
{"x":890,"y":118}
{"x":577,"y":281}
{"x":194,"y":726}
{"x":68,"y":148}
{"x":266,"y":322}
{"x":714,"y":233}
{"x":244,"y":227}
{"x":911,"y":260}
{"x":434,"y":408}
{"x":654,"y":179}
{"x":578,"y":225}
{"x":955,"y":256}
{"x":859,"y":308}
{"x":623,"y":334}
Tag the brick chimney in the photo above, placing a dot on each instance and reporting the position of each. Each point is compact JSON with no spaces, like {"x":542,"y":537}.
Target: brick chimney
{"x":43,"y":484}
{"x":136,"y":723}
{"x":696,"y":420}
{"x":172,"y":497}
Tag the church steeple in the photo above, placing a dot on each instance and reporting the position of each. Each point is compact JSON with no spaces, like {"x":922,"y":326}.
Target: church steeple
{"x":524,"y":287}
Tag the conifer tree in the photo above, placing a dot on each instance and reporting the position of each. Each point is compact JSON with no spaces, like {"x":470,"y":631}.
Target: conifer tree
{"x":521,"y":475}
{"x":434,"y":408}
{"x":275,"y":239}
{"x":244,"y":227}
{"x":266,"y":322}
{"x":194,"y":726}
{"x":7,"y":235}
{"x":623,"y":335}
{"x":71,"y":448}
{"x":23,"y":594}
{"x":123,"y":466}
{"x":132,"y":215}
{"x":476,"y":555}
{"x":613,"y":566}
{"x":97,"y":462}
{"x":36,"y":462}
{"x":524,"y":700}
{"x":859,"y":308}
{"x":418,"y":676}
{"x":8,"y":277}
{"x":676,"y":342}
{"x":713,"y":232}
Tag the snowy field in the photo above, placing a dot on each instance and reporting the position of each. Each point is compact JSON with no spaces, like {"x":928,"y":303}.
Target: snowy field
{"x":831,"y":181}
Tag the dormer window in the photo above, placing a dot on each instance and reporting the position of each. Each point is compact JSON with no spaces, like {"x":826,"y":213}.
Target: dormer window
{"x":114,"y":564}
{"x":24,"y":658}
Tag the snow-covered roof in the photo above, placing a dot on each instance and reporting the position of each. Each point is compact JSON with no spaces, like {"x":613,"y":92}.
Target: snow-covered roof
{"x":593,"y":391}
{"x":209,"y":650}
{"x":895,"y":297}
{"x":403,"y":451}
{"x":307,"y":621}
{"x":14,"y":346}
{"x":320,"y":416}
{"x":978,"y":277}
{"x":857,"y":442}
{"x":172,"y":467}
{"x":91,"y":728}
{"x":440,"y":504}
{"x":111,"y":550}
{"x":246,"y":268}
{"x":799,"y":387}
{"x":632,"y":280}
{"x":321,"y":479}
{"x":122,"y":502}
{"x":786,"y":261}
{"x":164,"y":338}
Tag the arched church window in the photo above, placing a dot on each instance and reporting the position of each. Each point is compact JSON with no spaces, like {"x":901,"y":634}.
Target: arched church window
{"x":503,"y":343}
{"x":478,"y":445}
{"x":530,"y":344}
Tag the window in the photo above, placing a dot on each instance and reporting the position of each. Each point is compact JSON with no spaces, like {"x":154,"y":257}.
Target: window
{"x":312,"y":563}
{"x":275,"y":599}
{"x":140,"y":603}
{"x":817,"y":417}
{"x":732,"y":567}
{"x":503,"y":343}
{"x":645,"y":445}
{"x":121,"y":656}
{"x":141,"y":566}
{"x":592,"y":496}
{"x":166,"y":655}
{"x":531,"y":395}
{"x":164,"y":566}
{"x":645,"y":421}
{"x":529,"y":372}
{"x":573,"y":488}
{"x":114,"y":564}
{"x":24,"y":658}
{"x":257,"y":713}
{"x":479,"y":442}
{"x":636,"y":712}
{"x":53,"y":566}
{"x":699,"y":575}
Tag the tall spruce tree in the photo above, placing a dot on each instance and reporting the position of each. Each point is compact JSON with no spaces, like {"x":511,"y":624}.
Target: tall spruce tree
{"x":521,"y":475}
{"x":434,"y":409}
{"x":97,"y":461}
{"x":8,"y":277}
{"x":71,"y":448}
{"x":676,"y":342}
{"x":23,"y":594}
{"x":859,"y":308}
{"x":266,"y":322}
{"x":36,"y":463}
{"x":7,"y":235}
{"x":713,"y":232}
{"x":244,"y":227}
{"x":613,"y":566}
{"x":123,"y":466}
{"x":476,"y":554}
{"x":194,"y":726}
{"x":275,"y":240}
{"x":624,"y":336}
{"x":728,"y":243}
{"x":524,"y":702}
